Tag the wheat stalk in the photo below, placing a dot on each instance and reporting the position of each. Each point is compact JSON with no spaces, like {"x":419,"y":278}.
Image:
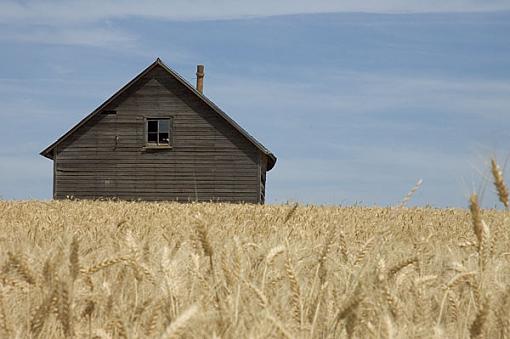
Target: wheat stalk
{"x":330,"y":236}
{"x":271,"y":256}
{"x":74,"y":259}
{"x":119,"y":327}
{"x":401,"y":265}
{"x":502,"y":313}
{"x":295,"y":292}
{"x":348,"y":307}
{"x":4,"y":323}
{"x":204,"y":238}
{"x":175,"y":329}
{"x":290,"y":213}
{"x":64,"y":309}
{"x":477,"y":327}
{"x":18,"y":263}
{"x":104,"y":264}
{"x":281,"y":328}
{"x":367,"y":247}
{"x":343,"y":245}
{"x":393,"y":302}
{"x":499,"y":183}
{"x":453,"y":308}
{"x":476,"y":217}
{"x":259,"y":294}
{"x":150,"y":327}
{"x":40,"y":315}
{"x":411,"y":193}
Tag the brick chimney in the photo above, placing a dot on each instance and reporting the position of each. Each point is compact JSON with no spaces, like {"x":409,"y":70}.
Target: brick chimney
{"x":200,"y":78}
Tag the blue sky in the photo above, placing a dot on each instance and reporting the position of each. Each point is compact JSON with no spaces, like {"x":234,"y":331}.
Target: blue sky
{"x":358,"y":101}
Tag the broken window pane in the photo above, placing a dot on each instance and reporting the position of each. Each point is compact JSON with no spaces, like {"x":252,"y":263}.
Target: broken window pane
{"x":163,"y":138}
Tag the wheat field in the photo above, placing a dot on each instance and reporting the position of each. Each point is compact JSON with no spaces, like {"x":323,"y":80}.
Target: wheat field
{"x":104,"y":269}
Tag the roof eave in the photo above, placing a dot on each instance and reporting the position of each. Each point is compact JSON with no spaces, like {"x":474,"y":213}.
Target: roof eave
{"x":48,"y":152}
{"x":224,"y":115}
{"x":271,"y":161}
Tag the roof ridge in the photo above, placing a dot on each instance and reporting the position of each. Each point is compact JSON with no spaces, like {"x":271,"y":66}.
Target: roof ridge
{"x":47,"y":151}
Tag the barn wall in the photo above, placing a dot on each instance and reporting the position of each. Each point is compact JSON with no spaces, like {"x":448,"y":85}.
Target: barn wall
{"x":210,"y":160}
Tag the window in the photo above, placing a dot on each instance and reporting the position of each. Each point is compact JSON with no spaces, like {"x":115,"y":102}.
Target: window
{"x":158,"y":132}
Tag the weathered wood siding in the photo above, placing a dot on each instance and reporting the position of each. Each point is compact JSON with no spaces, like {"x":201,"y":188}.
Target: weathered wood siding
{"x":209,"y":159}
{"x":262,"y":173}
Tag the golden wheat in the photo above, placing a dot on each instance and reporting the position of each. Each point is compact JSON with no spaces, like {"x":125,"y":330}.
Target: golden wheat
{"x":499,"y":183}
{"x":110,"y":269}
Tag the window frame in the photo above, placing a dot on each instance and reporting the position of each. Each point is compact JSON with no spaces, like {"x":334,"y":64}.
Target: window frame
{"x":157,"y":144}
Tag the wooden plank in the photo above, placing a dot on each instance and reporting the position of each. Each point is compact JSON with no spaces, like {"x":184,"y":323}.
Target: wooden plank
{"x":189,"y":180}
{"x":176,"y":148}
{"x":117,"y":162}
{"x":168,"y":194}
{"x":114,"y":186}
{"x":181,"y":199}
{"x":55,"y":162}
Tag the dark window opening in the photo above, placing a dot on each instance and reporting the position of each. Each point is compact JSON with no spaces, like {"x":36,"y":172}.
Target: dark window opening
{"x":108,"y":112}
{"x":158,"y":132}
{"x":152,"y":137}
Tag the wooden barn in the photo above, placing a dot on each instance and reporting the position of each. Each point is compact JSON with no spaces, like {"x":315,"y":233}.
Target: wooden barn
{"x":159,"y":138}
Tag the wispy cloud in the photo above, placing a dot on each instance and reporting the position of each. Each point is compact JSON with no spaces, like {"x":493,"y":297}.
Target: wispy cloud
{"x":95,"y":22}
{"x":85,"y":36}
{"x":362,"y":93}
{"x":48,"y":11}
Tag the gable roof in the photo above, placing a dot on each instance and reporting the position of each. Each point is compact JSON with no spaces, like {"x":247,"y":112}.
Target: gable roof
{"x":48,"y":151}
